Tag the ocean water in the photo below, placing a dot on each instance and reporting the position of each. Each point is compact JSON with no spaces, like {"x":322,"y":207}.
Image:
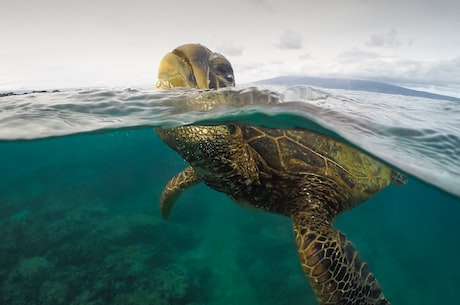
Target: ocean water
{"x":81,"y":173}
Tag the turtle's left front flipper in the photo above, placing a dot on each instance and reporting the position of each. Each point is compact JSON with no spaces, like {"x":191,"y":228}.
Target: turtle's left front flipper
{"x":175,"y":187}
{"x":331,"y":264}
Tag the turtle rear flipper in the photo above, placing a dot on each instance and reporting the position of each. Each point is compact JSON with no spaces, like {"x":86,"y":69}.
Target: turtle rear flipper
{"x":331,"y":264}
{"x":175,"y":187}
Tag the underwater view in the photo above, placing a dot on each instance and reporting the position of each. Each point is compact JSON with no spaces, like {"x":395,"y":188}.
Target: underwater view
{"x":82,"y":172}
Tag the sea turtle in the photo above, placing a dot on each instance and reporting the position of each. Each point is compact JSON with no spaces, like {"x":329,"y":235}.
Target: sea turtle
{"x":307,"y":176}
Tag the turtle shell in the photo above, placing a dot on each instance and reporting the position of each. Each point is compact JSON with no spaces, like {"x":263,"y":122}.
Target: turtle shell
{"x":303,"y":152}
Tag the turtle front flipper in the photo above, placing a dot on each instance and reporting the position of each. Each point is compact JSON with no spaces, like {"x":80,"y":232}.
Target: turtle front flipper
{"x":175,"y":187}
{"x":331,"y":264}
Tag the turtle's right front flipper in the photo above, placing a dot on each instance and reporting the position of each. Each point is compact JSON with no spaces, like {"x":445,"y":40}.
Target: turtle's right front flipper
{"x":331,"y":264}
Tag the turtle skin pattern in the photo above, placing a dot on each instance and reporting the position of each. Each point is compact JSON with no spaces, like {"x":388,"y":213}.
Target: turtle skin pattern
{"x":332,"y":266}
{"x":309,"y":155}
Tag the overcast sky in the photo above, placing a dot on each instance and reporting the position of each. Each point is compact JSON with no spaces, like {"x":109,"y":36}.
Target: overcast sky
{"x":59,"y":44}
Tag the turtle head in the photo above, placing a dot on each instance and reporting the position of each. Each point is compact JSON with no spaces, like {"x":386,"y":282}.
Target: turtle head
{"x":194,"y":66}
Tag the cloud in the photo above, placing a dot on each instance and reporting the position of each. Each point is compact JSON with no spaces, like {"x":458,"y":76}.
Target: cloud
{"x":389,"y":39}
{"x":445,"y":70}
{"x":252,"y":71}
{"x":305,"y":56}
{"x":230,"y":49}
{"x":356,"y":54}
{"x":290,"y":40}
{"x":362,"y":64}
{"x":263,"y":4}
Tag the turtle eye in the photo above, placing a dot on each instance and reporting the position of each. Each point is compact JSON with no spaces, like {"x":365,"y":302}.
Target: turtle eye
{"x":224,"y":69}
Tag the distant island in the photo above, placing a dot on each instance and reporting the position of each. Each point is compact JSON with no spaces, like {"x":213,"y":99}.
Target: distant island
{"x":353,"y":84}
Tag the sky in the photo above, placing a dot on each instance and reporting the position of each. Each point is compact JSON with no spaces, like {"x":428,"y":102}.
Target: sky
{"x":52,"y":44}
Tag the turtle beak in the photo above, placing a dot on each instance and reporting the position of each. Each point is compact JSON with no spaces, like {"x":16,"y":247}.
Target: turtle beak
{"x":194,"y":66}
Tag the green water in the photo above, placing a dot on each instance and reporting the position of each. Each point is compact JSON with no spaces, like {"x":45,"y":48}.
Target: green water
{"x":80,"y":224}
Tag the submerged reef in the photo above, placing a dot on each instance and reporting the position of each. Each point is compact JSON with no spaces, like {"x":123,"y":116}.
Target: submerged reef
{"x":88,"y":256}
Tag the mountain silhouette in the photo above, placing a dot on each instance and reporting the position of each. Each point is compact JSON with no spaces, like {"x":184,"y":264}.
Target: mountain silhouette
{"x":353,"y":84}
